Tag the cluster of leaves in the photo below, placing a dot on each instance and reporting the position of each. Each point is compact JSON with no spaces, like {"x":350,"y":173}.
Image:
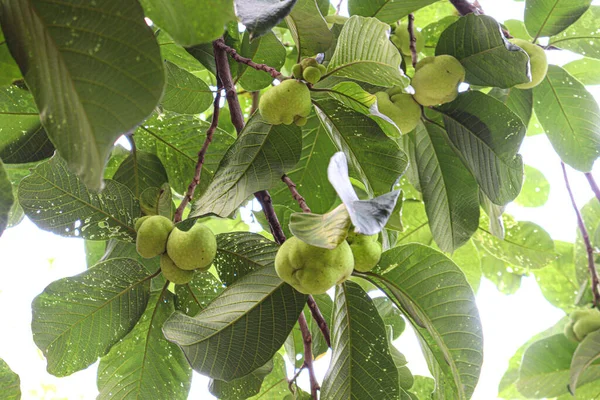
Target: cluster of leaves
{"x":74,"y":78}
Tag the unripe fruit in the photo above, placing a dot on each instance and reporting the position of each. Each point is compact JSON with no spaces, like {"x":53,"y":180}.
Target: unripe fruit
{"x":152,"y":236}
{"x":537,"y":61}
{"x":194,"y":249}
{"x":300,"y":121}
{"x":282,"y":103}
{"x":436,"y":80}
{"x":568,"y":331}
{"x":401,"y":39}
{"x":309,"y":62}
{"x":310,"y":269}
{"x":140,"y":221}
{"x":172,"y":273}
{"x":365,"y":249}
{"x":311,"y":74}
{"x":336,"y":19}
{"x":400,"y":108}
{"x":297,"y":71}
{"x":323,"y":69}
{"x":586,"y":324}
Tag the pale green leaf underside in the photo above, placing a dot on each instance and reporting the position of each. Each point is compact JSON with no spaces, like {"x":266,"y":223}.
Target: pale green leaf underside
{"x":321,"y":230}
{"x":583,"y":36}
{"x":10,"y":384}
{"x":141,"y":171}
{"x":549,"y":17}
{"x":309,"y":29}
{"x":185,"y":93}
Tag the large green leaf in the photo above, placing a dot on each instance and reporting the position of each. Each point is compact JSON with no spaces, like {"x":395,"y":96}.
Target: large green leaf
{"x":140,"y":171}
{"x":10,"y":384}
{"x":309,"y":29}
{"x":241,"y":388}
{"x":241,"y":329}
{"x":536,"y":189}
{"x":549,"y":17}
{"x":489,"y":60}
{"x":450,"y":192}
{"x":185,"y":93}
{"x":434,"y":294}
{"x":95,"y":72}
{"x":6,"y":198}
{"x":260,"y":16}
{"x":190,"y":22}
{"x":386,"y":10}
{"x":585,"y":70}
{"x":570,"y":117}
{"x":78,"y":319}
{"x":58,"y":201}
{"x":196,"y":295}
{"x":256,"y":161}
{"x":520,"y":101}
{"x":361,"y":364}
{"x":583,"y":36}
{"x":143,"y":365}
{"x":9,"y":70}
{"x":488,"y":142}
{"x":373,"y":157}
{"x":275,"y":385}
{"x":558,"y":281}
{"x":587,"y":352}
{"x":365,"y":53}
{"x":265,"y":50}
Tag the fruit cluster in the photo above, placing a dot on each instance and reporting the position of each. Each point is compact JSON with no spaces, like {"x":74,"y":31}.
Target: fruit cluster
{"x":582,"y":323}
{"x":314,"y":270}
{"x":181,"y":252}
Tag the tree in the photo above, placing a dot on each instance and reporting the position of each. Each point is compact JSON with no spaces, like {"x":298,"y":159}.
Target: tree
{"x":341,"y":150}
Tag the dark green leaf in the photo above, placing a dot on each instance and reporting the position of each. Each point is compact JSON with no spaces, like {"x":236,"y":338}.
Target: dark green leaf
{"x":78,"y":319}
{"x":583,"y":36}
{"x":6,"y":198}
{"x":240,"y":388}
{"x":265,"y":50}
{"x":309,"y":29}
{"x":231,"y":338}
{"x":520,"y":101}
{"x":185,"y":93}
{"x":141,"y":171}
{"x":200,"y":291}
{"x":536,"y":189}
{"x":585,"y":70}
{"x":275,"y":385}
{"x":570,"y":117}
{"x":260,"y":16}
{"x":94,"y":251}
{"x":9,"y":70}
{"x":391,"y":316}
{"x":10,"y":384}
{"x":549,"y":17}
{"x":386,"y":10}
{"x":143,"y":365}
{"x":361,"y":365}
{"x":489,"y":60}
{"x":95,"y":72}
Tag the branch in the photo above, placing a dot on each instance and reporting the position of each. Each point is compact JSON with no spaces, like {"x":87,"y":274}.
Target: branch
{"x":308,"y":357}
{"x":220,"y":43}
{"x":201,"y":154}
{"x":586,"y":240}
{"x":319,"y":319}
{"x":292,"y":186}
{"x":593,"y":184}
{"x":264,"y":198}
{"x":465,"y":7}
{"x":413,"y":39}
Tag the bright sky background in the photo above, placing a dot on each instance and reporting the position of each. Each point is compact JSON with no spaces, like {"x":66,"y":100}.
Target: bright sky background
{"x":32,"y":258}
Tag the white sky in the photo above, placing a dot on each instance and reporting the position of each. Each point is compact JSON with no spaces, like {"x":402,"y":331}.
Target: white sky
{"x":32,"y":258}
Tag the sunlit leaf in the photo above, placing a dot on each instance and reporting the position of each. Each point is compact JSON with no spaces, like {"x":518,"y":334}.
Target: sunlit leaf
{"x":10,"y":384}
{"x":549,"y":17}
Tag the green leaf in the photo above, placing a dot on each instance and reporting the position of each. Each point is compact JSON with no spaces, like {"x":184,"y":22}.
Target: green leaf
{"x":260,"y":16}
{"x":240,"y":253}
{"x":309,"y":29}
{"x":231,"y":338}
{"x":450,"y":192}
{"x":558,"y":281}
{"x":505,"y":278}
{"x":391,"y":315}
{"x":488,"y":143}
{"x":373,"y":157}
{"x":416,"y":226}
{"x":275,"y":385}
{"x":489,"y":60}
{"x":94,"y":251}
{"x":364,"y":53}
{"x":468,"y":259}
{"x":327,"y":230}
{"x":585,"y":70}
{"x":517,"y":29}
{"x":95,"y":72}
{"x":256,"y":161}
{"x":158,"y":201}
{"x":143,"y":365}
{"x":582,"y":37}
{"x":536,"y":189}
{"x":10,"y":384}
{"x":196,"y":295}
{"x":185,"y":93}
{"x":433,"y":293}
{"x":58,"y":201}
{"x":265,"y":50}
{"x":141,"y":171}
{"x":570,"y":117}
{"x":240,"y":388}
{"x":587,"y":352}
{"x":185,"y":58}
{"x":590,"y":214}
{"x":361,"y":364}
{"x":520,"y":101}
{"x":9,"y":70}
{"x":190,"y":22}
{"x":549,"y":17}
{"x":386,"y":10}
{"x":78,"y":319}
{"x":6,"y":198}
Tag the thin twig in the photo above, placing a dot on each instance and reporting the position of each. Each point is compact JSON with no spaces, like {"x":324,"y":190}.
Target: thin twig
{"x":413,"y":39}
{"x":308,"y":357}
{"x":319,"y":319}
{"x":297,"y":196}
{"x":338,"y":8}
{"x":295,"y":377}
{"x":201,"y":154}
{"x":593,"y":184}
{"x":586,"y":240}
{"x":243,"y":60}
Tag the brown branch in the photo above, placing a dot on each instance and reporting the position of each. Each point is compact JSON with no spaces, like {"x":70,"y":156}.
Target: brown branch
{"x":338,"y":8}
{"x":586,"y":240}
{"x":220,"y":43}
{"x":297,"y":196}
{"x":308,"y":357}
{"x":593,"y":184}
{"x":264,"y":198}
{"x":413,"y":39}
{"x":201,"y":154}
{"x":295,"y":377}
{"x":319,"y":319}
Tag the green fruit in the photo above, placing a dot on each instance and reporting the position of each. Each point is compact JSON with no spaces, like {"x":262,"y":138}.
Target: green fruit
{"x":436,"y":80}
{"x":401,"y":39}
{"x":152,"y":236}
{"x":310,"y":269}
{"x":309,"y":62}
{"x":282,"y":103}
{"x":537,"y":61}
{"x":336,"y":19}
{"x":297,"y":71}
{"x":586,"y":325}
{"x":140,"y":221}
{"x":400,"y":108}
{"x":323,"y":69}
{"x":300,"y":121}
{"x":173,"y":273}
{"x":365,"y":249}
{"x":194,"y":249}
{"x":311,"y":74}
{"x":568,"y":331}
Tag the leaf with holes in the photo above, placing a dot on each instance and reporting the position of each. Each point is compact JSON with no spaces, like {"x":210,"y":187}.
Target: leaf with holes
{"x":583,"y":36}
{"x":549,"y":17}
{"x":196,"y":295}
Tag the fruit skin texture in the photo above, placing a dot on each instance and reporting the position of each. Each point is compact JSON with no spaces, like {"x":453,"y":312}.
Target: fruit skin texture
{"x":152,"y":236}
{"x":310,"y":269}
{"x":172,"y":273}
{"x":282,"y":103}
{"x":537,"y":60}
{"x":297,"y":71}
{"x":436,"y":80}
{"x":194,"y":249}
{"x":401,"y":39}
{"x":400,"y":108}
{"x":312,"y":74}
{"x":582,"y":323}
{"x":140,"y":221}
{"x":365,"y":249}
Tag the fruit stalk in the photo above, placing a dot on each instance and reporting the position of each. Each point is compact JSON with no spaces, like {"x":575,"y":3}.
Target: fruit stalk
{"x":413,"y":39}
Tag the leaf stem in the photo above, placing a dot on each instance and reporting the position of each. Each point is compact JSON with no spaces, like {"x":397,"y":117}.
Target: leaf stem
{"x":413,"y":39}
{"x":220,"y":43}
{"x":586,"y":240}
{"x":593,"y":184}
